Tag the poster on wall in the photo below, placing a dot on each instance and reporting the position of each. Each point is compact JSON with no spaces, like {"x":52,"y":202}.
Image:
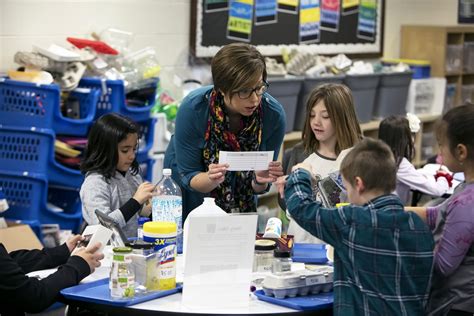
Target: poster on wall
{"x":316,"y":26}
{"x":465,"y":11}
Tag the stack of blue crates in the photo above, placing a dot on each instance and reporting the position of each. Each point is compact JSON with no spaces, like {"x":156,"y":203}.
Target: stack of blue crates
{"x":30,"y":119}
{"x":30,"y":176}
{"x":112,"y":99}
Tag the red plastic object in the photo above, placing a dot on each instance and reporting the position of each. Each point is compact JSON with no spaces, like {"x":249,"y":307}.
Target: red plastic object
{"x":446,"y":175}
{"x":98,"y":46}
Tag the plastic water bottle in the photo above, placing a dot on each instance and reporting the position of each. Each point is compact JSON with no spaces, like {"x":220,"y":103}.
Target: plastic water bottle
{"x":167,"y":205}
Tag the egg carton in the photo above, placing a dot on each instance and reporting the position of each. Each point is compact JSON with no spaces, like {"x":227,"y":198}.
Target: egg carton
{"x":304,"y":282}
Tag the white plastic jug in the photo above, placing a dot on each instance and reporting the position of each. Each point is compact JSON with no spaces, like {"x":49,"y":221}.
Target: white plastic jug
{"x":207,"y":208}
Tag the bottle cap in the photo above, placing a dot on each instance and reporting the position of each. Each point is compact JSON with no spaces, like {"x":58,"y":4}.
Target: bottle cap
{"x":265,"y":244}
{"x":167,"y":172}
{"x":143,"y":220}
{"x":122,"y":249}
{"x":278,"y":253}
{"x":159,"y":227}
{"x":140,"y":244}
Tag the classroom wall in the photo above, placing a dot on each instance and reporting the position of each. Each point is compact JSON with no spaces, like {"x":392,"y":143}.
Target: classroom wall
{"x":162,"y":24}
{"x":428,"y":12}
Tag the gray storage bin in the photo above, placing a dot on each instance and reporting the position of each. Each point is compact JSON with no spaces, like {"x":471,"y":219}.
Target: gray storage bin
{"x":392,"y":94}
{"x":308,"y":85}
{"x":286,"y":91}
{"x":364,"y":90}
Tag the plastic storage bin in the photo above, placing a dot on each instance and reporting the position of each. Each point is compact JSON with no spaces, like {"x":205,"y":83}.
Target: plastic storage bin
{"x":421,"y":68}
{"x":286,"y":91}
{"x":27,"y":194}
{"x":454,"y":55}
{"x":28,"y":104}
{"x":308,"y":85}
{"x":392,"y":94}
{"x":146,"y":169}
{"x":32,"y":150}
{"x":364,"y":90}
{"x":468,"y":57}
{"x":112,"y":99}
{"x":147,"y":130}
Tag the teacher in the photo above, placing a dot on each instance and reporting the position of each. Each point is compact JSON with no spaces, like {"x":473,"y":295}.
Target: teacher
{"x":236,"y":114}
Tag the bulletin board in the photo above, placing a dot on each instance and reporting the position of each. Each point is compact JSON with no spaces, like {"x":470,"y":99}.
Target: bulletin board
{"x":316,"y":26}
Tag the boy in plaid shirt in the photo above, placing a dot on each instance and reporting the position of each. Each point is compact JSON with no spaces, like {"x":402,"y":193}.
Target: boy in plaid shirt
{"x":383,"y":255}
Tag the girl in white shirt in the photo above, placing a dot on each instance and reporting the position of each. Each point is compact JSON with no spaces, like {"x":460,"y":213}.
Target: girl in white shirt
{"x":395,"y":131}
{"x":331,"y":129}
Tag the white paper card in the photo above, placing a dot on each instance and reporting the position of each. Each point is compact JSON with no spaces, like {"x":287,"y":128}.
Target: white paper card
{"x":246,"y":160}
{"x":218,"y":263}
{"x":96,"y":233}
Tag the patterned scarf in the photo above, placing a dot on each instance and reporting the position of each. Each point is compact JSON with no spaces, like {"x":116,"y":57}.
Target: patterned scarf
{"x":236,"y":191}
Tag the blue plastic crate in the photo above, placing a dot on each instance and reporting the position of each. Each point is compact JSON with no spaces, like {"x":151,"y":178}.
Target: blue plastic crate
{"x":147,"y":131}
{"x":27,"y":194}
{"x":146,"y":169}
{"x":28,"y":104}
{"x":112,"y":99}
{"x":32,"y":150}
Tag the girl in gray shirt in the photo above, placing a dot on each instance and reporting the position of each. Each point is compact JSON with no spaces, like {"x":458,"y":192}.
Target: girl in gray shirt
{"x":112,"y":184}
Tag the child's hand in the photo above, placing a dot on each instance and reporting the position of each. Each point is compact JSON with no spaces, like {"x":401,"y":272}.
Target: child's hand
{"x":445,"y":175}
{"x":280,"y":183}
{"x":92,"y":256}
{"x":72,"y":242}
{"x":144,"y":192}
{"x":304,"y":166}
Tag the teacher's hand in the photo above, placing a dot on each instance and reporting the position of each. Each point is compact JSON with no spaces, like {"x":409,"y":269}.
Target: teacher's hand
{"x":216,"y":172}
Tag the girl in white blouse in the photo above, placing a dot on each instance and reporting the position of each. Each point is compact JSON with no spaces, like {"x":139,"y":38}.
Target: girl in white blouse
{"x":397,"y":132}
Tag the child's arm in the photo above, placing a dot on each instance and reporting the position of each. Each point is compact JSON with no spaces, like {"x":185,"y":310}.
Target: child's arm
{"x":417,"y":180}
{"x":309,"y":214}
{"x":457,"y":237}
{"x":420,"y":211}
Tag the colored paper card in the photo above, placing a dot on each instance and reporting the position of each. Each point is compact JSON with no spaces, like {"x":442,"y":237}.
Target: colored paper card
{"x":309,"y":21}
{"x":265,"y":11}
{"x":288,"y":6}
{"x":215,"y":5}
{"x":239,"y":25}
{"x":350,"y":6}
{"x":367,"y":22}
{"x":330,"y":15}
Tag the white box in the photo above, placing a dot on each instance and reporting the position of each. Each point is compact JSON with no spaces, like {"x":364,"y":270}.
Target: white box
{"x":426,"y":96}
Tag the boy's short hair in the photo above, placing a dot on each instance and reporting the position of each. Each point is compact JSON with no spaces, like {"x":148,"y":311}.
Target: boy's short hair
{"x":372,"y":161}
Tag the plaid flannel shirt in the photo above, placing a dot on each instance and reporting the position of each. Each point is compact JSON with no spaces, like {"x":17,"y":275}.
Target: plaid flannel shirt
{"x":383,"y":255}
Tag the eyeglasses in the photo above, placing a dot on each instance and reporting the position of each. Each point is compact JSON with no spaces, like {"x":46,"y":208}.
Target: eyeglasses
{"x":246,"y":93}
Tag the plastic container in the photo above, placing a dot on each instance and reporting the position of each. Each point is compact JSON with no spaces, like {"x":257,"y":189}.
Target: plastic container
{"x":207,"y":208}
{"x":167,"y":205}
{"x":263,"y":257}
{"x":27,"y":195}
{"x":392,"y":94}
{"x":146,"y":169}
{"x":421,"y":68}
{"x":27,"y":104}
{"x":364,"y":90}
{"x":468,"y":57}
{"x":32,"y":150}
{"x":286,"y":91}
{"x":301,"y":282}
{"x":308,"y":85}
{"x":144,"y":264}
{"x":141,"y":221}
{"x":122,"y":277}
{"x":281,"y":261}
{"x":112,"y":99}
{"x":163,"y":235}
{"x":273,"y":228}
{"x":454,"y":54}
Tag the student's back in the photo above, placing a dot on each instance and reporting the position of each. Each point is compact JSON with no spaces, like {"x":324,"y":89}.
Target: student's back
{"x":383,"y":255}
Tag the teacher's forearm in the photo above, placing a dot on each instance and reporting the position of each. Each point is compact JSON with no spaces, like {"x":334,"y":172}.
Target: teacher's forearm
{"x":202,"y":183}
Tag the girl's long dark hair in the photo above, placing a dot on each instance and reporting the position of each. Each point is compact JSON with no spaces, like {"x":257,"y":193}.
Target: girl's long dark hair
{"x":395,"y":132}
{"x":101,"y":154}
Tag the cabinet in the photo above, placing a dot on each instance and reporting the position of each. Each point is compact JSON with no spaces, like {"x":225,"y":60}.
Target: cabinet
{"x":450,"y":50}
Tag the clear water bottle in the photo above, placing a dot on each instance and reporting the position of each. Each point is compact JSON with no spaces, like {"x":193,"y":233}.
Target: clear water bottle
{"x":167,"y":205}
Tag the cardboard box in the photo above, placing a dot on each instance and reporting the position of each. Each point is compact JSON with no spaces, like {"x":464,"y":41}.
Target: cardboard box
{"x":19,"y":236}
